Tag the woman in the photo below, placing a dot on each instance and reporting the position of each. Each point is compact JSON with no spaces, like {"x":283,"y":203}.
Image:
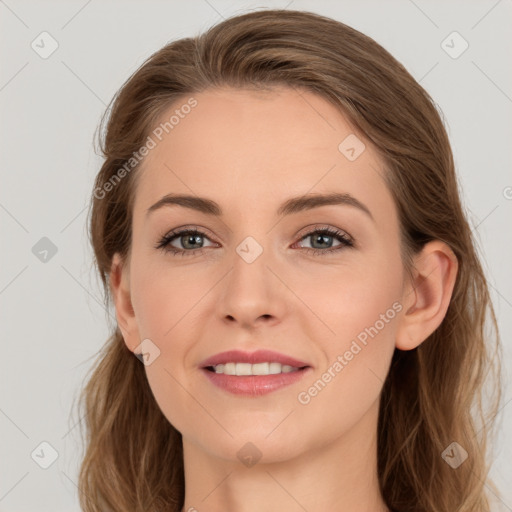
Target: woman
{"x":278,"y":223}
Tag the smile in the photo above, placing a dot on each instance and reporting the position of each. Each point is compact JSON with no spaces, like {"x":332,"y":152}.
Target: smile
{"x":253,"y":369}
{"x":253,"y":373}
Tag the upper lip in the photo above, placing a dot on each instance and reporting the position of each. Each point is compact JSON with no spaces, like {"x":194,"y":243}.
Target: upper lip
{"x":259,"y":356}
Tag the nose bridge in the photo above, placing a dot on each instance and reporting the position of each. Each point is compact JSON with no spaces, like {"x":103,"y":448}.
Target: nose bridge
{"x":251,"y":290}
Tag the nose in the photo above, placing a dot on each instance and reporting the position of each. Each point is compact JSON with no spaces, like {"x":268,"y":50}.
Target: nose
{"x":252,"y":295}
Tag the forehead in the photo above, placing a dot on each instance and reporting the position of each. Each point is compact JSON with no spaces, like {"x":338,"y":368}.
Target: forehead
{"x":238,"y":144}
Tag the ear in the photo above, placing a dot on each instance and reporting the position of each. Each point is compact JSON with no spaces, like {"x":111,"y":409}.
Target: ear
{"x":427,"y":297}
{"x":120,"y":289}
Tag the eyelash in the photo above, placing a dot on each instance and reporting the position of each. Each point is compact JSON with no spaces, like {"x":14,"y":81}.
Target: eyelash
{"x":164,"y":243}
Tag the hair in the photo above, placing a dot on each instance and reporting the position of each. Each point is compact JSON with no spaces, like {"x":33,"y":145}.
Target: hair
{"x":433,"y":395}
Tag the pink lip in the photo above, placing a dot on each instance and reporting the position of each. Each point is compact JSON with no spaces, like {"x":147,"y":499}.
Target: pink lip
{"x":260,"y":356}
{"x":253,"y":385}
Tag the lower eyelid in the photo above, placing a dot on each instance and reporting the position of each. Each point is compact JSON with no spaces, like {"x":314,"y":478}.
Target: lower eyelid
{"x":177,"y":236}
{"x":345,"y":241}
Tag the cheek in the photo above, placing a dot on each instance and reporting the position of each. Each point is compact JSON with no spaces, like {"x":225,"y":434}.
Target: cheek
{"x":361,"y":309}
{"x":166,"y":303}
{"x":352,"y":301}
{"x":165,"y":298}
{"x":357,"y":360}
{"x":167,"y":387}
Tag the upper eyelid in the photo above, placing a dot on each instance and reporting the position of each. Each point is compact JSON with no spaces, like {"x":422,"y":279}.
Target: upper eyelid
{"x":334,"y":232}
{"x":205,"y":232}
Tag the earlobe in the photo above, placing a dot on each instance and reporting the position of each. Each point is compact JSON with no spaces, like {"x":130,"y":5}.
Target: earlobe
{"x":428,"y":296}
{"x":120,"y":291}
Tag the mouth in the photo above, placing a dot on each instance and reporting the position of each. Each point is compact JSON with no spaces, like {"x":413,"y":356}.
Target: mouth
{"x":253,"y":373}
{"x":256,"y":369}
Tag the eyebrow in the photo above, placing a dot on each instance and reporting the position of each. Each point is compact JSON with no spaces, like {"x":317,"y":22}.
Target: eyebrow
{"x":290,"y":206}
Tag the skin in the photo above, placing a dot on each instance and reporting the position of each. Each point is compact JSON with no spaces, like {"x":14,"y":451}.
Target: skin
{"x":250,"y":151}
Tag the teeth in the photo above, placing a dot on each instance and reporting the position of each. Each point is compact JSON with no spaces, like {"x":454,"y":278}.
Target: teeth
{"x":243,"y":369}
{"x":229,"y":368}
{"x":260,"y":369}
{"x":274,"y":368}
{"x":253,"y":369}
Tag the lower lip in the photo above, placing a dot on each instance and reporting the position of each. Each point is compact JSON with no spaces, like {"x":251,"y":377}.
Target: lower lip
{"x":254,"y":385}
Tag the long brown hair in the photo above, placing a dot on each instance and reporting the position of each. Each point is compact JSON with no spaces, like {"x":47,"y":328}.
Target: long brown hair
{"x":433,"y":395}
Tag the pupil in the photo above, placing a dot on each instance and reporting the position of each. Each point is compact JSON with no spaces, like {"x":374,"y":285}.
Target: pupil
{"x":191,"y":239}
{"x":320,"y":238}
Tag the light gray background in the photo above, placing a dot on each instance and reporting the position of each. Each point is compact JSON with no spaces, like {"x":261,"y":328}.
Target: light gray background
{"x":53,"y":320}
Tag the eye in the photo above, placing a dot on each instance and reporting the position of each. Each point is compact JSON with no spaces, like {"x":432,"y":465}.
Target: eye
{"x":322,"y":237}
{"x":189,"y":239}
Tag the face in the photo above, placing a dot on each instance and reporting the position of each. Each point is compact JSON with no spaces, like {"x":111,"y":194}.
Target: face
{"x":256,"y":277}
